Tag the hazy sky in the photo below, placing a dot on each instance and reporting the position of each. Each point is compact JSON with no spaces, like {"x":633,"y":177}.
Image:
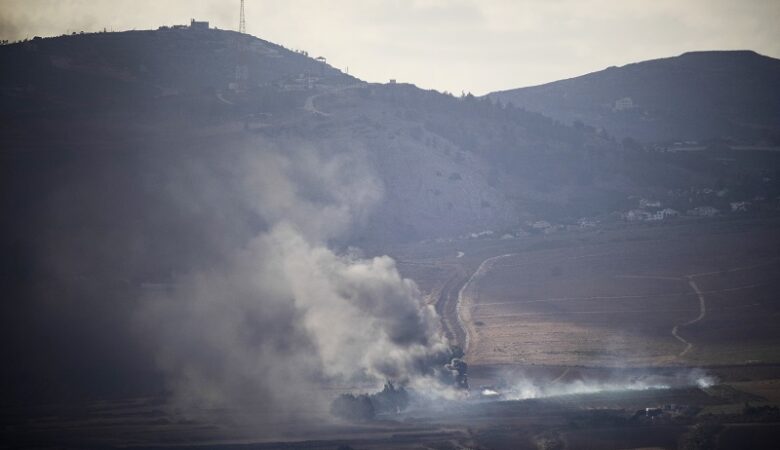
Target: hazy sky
{"x":454,"y":45}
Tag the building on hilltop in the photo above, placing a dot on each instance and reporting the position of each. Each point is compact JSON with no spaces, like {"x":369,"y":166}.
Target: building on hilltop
{"x":196,"y":25}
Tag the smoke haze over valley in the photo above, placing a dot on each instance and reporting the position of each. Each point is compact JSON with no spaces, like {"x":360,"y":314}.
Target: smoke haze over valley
{"x":211,"y":239}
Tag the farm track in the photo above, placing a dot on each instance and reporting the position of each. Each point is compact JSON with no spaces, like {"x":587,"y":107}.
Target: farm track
{"x":561,"y":376}
{"x":702,"y":301}
{"x":446,"y":306}
{"x":702,"y":313}
{"x":462,"y":312}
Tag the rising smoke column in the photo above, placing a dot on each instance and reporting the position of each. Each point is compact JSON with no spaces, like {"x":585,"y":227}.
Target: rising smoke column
{"x":284,"y":314}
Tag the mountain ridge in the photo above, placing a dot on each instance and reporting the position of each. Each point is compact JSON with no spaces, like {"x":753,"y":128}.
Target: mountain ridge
{"x":83,"y":69}
{"x":139,"y":88}
{"x":699,"y":95}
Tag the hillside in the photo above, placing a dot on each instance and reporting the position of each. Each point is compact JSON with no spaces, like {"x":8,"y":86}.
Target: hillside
{"x":697,"y":96}
{"x":443,"y":161}
{"x":88,"y":72}
{"x":446,"y":166}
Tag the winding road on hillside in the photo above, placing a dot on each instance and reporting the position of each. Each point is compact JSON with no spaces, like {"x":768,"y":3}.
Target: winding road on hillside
{"x":309,"y":105}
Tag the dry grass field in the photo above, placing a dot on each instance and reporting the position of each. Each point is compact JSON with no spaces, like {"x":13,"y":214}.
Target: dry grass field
{"x":687,"y":293}
{"x":657,"y":298}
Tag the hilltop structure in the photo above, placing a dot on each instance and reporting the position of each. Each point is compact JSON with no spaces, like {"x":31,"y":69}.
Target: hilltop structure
{"x":198,"y":25}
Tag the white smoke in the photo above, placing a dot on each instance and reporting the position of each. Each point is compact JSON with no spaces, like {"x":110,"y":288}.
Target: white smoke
{"x":284,"y":314}
{"x":522,"y":388}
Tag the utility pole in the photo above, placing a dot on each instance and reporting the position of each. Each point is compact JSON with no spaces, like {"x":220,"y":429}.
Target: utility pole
{"x":242,"y":68}
{"x":242,"y":22}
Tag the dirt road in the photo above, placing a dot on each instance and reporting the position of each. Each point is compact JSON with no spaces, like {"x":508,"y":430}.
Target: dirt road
{"x":447,"y":303}
{"x":312,"y":108}
{"x":702,"y":313}
{"x":702,"y":301}
{"x":466,"y":298}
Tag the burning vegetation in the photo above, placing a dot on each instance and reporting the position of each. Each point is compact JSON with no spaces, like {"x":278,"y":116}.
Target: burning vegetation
{"x":449,"y":376}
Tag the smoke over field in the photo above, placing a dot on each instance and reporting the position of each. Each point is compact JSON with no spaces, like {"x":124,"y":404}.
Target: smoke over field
{"x":522,"y":388}
{"x":285,"y":313}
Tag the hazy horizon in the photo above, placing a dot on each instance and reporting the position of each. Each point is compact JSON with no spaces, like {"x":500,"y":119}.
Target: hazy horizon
{"x":454,"y":46}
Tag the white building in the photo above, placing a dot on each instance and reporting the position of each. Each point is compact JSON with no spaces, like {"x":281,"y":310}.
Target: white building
{"x":539,"y":224}
{"x":624,"y":104}
{"x":704,"y":211}
{"x":739,"y":206}
{"x":664,"y":214}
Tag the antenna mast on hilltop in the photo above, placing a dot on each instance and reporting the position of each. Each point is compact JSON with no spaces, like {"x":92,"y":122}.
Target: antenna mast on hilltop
{"x":242,"y":23}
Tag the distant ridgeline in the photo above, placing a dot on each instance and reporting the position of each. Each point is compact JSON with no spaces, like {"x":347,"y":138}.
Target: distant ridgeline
{"x":684,"y":101}
{"x":133,"y":69}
